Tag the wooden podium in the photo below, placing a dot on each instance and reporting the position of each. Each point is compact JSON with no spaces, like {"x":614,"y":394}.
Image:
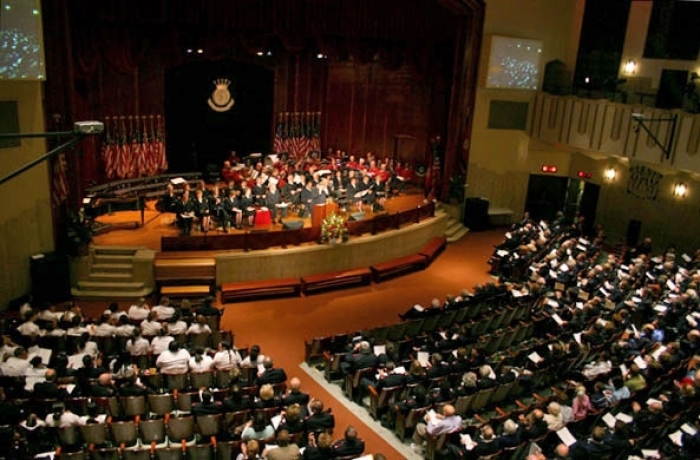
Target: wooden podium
{"x":321,"y":211}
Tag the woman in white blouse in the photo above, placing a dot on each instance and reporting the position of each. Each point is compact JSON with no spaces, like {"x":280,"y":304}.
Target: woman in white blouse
{"x":201,"y":362}
{"x":225,"y":358}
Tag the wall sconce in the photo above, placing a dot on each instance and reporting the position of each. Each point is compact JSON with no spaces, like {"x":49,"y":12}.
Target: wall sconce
{"x":610,"y":174}
{"x":630,"y":67}
{"x":680,"y":190}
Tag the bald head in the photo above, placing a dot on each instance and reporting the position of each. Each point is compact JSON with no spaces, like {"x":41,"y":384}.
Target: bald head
{"x":295,"y":384}
{"x":50,"y":375}
{"x":448,"y":410}
{"x":562,"y":451}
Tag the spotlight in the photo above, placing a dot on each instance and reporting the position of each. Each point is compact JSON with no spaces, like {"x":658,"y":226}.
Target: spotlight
{"x":259,"y":53}
{"x":630,"y":67}
{"x":200,"y":51}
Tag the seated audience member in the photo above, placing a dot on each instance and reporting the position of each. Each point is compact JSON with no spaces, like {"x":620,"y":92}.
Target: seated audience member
{"x":534,"y":425}
{"x":104,"y":386}
{"x":295,"y":395}
{"x":254,"y":357}
{"x":160,"y":342}
{"x":61,"y":417}
{"x":151,"y":325}
{"x":105,"y":326}
{"x":360,"y":357}
{"x":292,"y":419}
{"x":596,"y":446}
{"x":124,"y":327}
{"x":139,"y":311}
{"x":30,"y":328}
{"x":200,"y":326}
{"x":250,"y":452}
{"x":349,"y":445}
{"x":582,"y":404}
{"x":267,"y":398}
{"x":447,"y":422}
{"x":511,"y":435}
{"x":16,"y":365}
{"x":201,"y":362}
{"x":164,"y":310}
{"x":176,"y":326}
{"x":554,"y":417}
{"x":318,"y":420}
{"x":259,"y":428}
{"x":236,"y":400}
{"x":486,"y":378}
{"x":208,"y":309}
{"x":138,"y":345}
{"x":132,"y":386}
{"x":319,"y":447}
{"x":271,"y":374}
{"x":225,"y":358}
{"x":174,"y":360}
{"x":49,"y":389}
{"x":207,"y":406}
{"x":285,"y":450}
{"x":486,"y":444}
{"x":635,"y":381}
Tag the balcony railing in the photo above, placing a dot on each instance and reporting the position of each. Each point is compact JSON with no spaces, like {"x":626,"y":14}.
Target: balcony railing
{"x":609,"y":127}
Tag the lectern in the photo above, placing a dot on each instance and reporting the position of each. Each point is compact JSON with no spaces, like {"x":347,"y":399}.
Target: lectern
{"x":321,"y":211}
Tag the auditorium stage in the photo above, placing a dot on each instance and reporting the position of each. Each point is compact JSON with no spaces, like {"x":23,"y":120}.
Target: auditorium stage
{"x":403,"y":229}
{"x":123,"y":228}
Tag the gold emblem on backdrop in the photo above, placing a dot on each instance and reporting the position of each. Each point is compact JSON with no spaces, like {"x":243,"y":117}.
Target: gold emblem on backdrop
{"x":221,"y":99}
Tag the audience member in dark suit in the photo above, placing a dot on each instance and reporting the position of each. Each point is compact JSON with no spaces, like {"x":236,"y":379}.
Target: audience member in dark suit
{"x":131,"y":387}
{"x":104,"y":386}
{"x":486,"y":444}
{"x":350,"y":445}
{"x":49,"y":389}
{"x":360,"y":357}
{"x":236,"y":401}
{"x":296,"y":396}
{"x":485,"y":378}
{"x":292,"y":419}
{"x":511,"y":435}
{"x":271,"y":374}
{"x":534,"y":425}
{"x":207,"y":407}
{"x":320,"y":447}
{"x":319,"y":420}
{"x":594,"y":447}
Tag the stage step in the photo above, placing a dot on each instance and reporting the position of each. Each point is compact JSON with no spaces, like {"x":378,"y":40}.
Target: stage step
{"x":115,"y":250}
{"x":100,"y":258}
{"x":454,"y":230}
{"x":110,"y":277}
{"x":113,"y":268}
{"x":109,"y":285}
{"x":111,"y":295}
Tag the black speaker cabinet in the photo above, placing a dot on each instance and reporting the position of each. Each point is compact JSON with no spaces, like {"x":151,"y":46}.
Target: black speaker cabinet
{"x":476,"y":214}
{"x":355,"y":216}
{"x":50,"y":274}
{"x":294,"y":224}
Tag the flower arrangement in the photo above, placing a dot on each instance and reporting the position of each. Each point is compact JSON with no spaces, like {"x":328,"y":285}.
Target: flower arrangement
{"x":334,"y":228}
{"x":79,"y":231}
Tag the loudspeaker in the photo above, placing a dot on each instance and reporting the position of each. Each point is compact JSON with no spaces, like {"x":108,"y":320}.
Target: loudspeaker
{"x":355,"y":216}
{"x":476,"y":214}
{"x":294,"y":224}
{"x":50,"y":277}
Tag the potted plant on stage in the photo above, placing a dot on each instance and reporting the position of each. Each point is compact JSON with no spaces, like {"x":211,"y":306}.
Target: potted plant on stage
{"x":334,"y":229}
{"x":79,"y":232}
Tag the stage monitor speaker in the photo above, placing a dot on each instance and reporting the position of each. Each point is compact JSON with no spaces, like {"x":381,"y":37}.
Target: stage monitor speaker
{"x":355,"y":216}
{"x":476,"y":214}
{"x":294,"y":224}
{"x":50,"y":278}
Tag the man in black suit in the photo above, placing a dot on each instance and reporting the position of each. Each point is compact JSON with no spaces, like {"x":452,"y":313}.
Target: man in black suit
{"x":271,"y":374}
{"x":296,"y":396}
{"x":104,"y":386}
{"x":48,"y":389}
{"x":319,"y":420}
{"x":131,"y":387}
{"x":207,"y":407}
{"x":350,"y":445}
{"x":360,"y":357}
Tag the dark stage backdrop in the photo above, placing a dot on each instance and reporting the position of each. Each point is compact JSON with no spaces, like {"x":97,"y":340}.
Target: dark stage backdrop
{"x":197,"y":135}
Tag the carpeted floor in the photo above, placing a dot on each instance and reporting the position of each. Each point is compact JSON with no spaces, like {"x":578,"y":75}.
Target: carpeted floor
{"x":280,"y":326}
